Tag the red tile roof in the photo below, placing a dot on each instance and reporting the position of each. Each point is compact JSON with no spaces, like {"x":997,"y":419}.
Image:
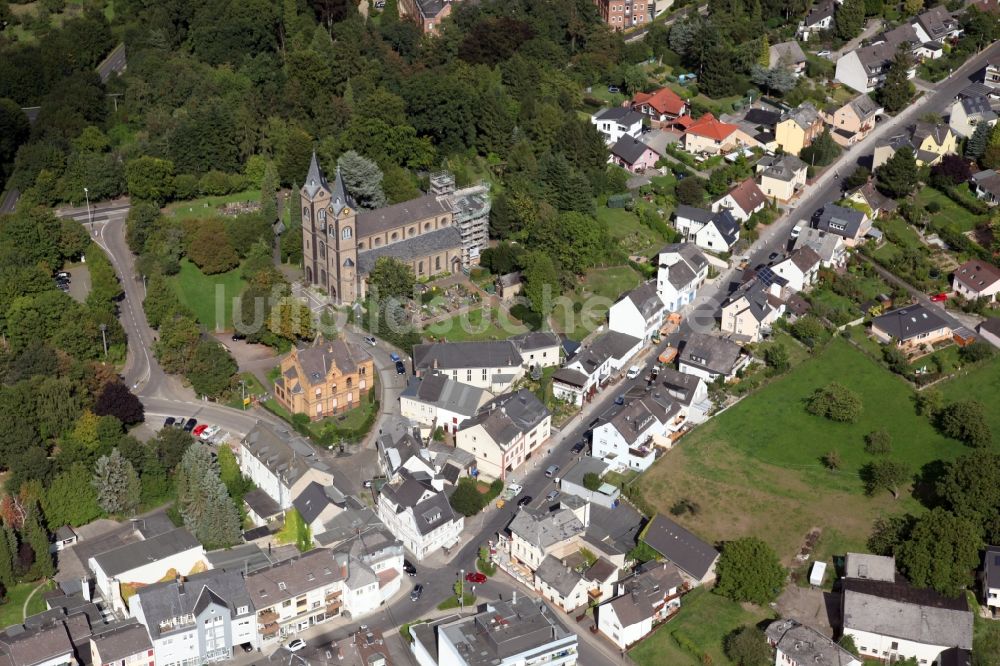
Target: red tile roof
{"x":977,"y":275}
{"x":708,"y":126}
{"x":748,"y":196}
{"x":663,"y":100}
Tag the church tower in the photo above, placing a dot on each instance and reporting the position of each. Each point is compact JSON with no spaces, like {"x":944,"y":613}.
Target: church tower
{"x":315,"y":196}
{"x":343,"y":234}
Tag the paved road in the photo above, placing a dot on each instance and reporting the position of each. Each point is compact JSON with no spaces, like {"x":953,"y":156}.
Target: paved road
{"x":114,"y":63}
{"x":9,"y":202}
{"x":827,"y":187}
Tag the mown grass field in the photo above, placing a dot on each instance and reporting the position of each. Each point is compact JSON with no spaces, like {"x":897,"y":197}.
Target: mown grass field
{"x":209,"y":297}
{"x":756,"y":468}
{"x":595,"y":293}
{"x":478,"y":324}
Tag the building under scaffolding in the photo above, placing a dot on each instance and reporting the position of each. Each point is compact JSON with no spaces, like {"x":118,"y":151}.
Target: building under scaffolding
{"x":471,"y":211}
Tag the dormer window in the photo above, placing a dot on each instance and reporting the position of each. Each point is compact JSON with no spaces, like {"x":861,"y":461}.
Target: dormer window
{"x":282,"y":586}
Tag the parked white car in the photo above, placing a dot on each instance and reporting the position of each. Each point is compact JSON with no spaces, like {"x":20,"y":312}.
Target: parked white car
{"x":209,"y":432}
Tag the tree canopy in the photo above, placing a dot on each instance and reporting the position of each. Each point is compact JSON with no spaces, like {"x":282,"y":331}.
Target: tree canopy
{"x":749,"y":570}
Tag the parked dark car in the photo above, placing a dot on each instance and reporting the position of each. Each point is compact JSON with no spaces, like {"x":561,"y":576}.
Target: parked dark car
{"x":579,"y":446}
{"x":408,"y":568}
{"x":169,"y":422}
{"x":416,"y":592}
{"x":524,"y":501}
{"x":191,"y":423}
{"x":237,"y":336}
{"x":247,"y":647}
{"x":400,"y":368}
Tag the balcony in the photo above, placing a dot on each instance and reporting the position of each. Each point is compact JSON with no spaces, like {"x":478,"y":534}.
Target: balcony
{"x":267,"y":630}
{"x":641,"y":451}
{"x":333,"y":607}
{"x":595,"y":594}
{"x":267,"y":616}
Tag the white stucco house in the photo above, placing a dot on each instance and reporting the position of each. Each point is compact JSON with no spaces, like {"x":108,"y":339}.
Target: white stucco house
{"x":419,"y":515}
{"x":640,"y":310}
{"x":616,"y":122}
{"x":641,"y":602}
{"x":800,"y":268}
{"x":593,"y":365}
{"x":628,"y":436}
{"x":681,"y":271}
{"x":437,"y":401}
{"x":281,"y":463}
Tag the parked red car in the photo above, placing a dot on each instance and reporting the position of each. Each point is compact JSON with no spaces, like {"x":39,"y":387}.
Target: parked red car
{"x":199,"y":429}
{"x":939,"y":298}
{"x":475,"y":577}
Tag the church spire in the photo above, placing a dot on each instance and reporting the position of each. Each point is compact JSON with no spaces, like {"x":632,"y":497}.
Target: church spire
{"x":340,"y":197}
{"x":315,"y":180}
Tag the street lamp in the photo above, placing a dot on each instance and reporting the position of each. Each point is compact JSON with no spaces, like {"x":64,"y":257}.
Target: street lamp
{"x":90,"y":217}
{"x":104,"y":338}
{"x":243,"y":388}
{"x":461,"y":588}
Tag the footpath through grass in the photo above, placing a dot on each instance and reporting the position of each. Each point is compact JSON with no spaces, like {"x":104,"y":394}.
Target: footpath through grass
{"x":756,"y":468}
{"x":198,"y":292}
{"x":704,"y":620}
{"x":12,"y":611}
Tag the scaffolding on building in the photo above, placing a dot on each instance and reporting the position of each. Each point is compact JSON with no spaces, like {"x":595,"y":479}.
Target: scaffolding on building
{"x":471,"y":212}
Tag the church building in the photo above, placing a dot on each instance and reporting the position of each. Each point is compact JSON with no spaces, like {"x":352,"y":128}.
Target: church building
{"x":438,"y":233}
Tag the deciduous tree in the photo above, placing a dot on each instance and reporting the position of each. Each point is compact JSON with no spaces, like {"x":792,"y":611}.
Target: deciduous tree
{"x":965,"y":420}
{"x":747,"y":646}
{"x":117,"y":400}
{"x":836,"y":402}
{"x":70,"y":499}
{"x":941,"y":552}
{"x":885,"y":474}
{"x":391,"y":278}
{"x":749,"y":570}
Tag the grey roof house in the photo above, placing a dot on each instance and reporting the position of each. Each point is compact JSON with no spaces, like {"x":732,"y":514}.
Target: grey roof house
{"x":695,"y":558}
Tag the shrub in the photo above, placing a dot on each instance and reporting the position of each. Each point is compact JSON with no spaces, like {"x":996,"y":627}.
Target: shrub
{"x":878,"y":443}
{"x":835,"y":402}
{"x":965,"y":420}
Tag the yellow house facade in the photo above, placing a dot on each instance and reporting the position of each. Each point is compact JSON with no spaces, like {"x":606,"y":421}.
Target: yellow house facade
{"x":798,"y":128}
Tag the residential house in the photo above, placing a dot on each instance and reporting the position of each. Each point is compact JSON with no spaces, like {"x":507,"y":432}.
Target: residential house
{"x":854,"y":120}
{"x":124,"y":643}
{"x":829,"y":246}
{"x":661,"y":106}
{"x":991,"y":578}
{"x":437,"y":461}
{"x":800,"y":268}
{"x":759,"y":123}
{"x":505,"y":432}
{"x":977,"y":279}
{"x":642,"y":601}
{"x":633,"y":155}
{"x":261,"y":509}
{"x":682,"y":270}
{"x":509,"y":285}
{"x":709,"y":136}
{"x":800,"y":645}
{"x":639,"y":311}
{"x":364,"y":647}
{"x":571,"y":483}
{"x":690,"y":391}
{"x":372,"y":551}
{"x":506,"y":633}
{"x":989,"y":330}
{"x":427,"y":14}
{"x":438,"y":401}
{"x":892,"y":621}
{"x":798,"y":128}
{"x":419,"y":515}
{"x":295,"y":594}
{"x":593,"y":365}
{"x":864,"y":69}
{"x":874,"y":201}
{"x":65,"y":537}
{"x":851,"y":225}
{"x":534,"y":534}
{"x":781,"y":176}
{"x":986,"y":185}
{"x":538,"y":348}
{"x":720,"y":235}
{"x":326,"y":378}
{"x":937,"y":25}
{"x":196,"y":619}
{"x":280,"y":462}
{"x":494,"y":366}
{"x":742,"y":201}
{"x":929,"y":143}
{"x":628,"y":435}
{"x":788,"y":55}
{"x":990,"y":75}
{"x":819,"y":19}
{"x":318,"y":504}
{"x":968,"y":113}
{"x":617,"y":122}
{"x":749,"y":312}
{"x":561,"y":584}
{"x":688,"y":220}
{"x":711,"y":357}
{"x":119,"y":571}
{"x":694,"y":558}
{"x":46,"y":642}
{"x":910,"y":327}
{"x":625,"y":14}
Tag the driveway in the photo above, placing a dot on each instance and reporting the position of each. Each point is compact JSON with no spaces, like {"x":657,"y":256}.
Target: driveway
{"x":811,"y":606}
{"x":79,"y":285}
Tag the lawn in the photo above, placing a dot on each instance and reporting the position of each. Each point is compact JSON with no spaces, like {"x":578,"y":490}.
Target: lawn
{"x":208,"y":205}
{"x":252,"y":387}
{"x":705,"y":619}
{"x":628,"y":233}
{"x":479,"y":324}
{"x":584,"y":309}
{"x":209,"y":297}
{"x":951,"y":214}
{"x":901,"y":232}
{"x":983,"y":384}
{"x":12,"y":611}
{"x":763,"y":456}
